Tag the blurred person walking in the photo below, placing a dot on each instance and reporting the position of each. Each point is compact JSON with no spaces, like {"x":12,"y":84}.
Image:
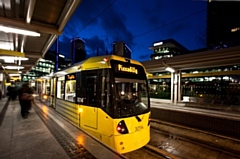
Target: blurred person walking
{"x":25,"y":99}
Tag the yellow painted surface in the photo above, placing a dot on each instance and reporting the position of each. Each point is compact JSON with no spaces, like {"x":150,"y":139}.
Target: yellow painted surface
{"x":11,"y":53}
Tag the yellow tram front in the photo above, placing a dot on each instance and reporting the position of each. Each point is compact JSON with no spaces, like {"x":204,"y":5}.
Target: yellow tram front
{"x":124,"y":96}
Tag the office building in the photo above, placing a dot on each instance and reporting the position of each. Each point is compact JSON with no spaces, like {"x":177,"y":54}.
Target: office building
{"x":121,"y":49}
{"x":167,"y":48}
{"x":77,"y":51}
{"x":223,"y":24}
{"x":46,"y":66}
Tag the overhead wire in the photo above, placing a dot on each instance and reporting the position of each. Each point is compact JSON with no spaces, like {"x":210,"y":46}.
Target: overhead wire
{"x":166,"y":24}
{"x":96,"y":17}
{"x":141,"y":34}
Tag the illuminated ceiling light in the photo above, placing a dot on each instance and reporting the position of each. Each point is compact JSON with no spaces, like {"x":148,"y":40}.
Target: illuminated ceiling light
{"x":12,"y":59}
{"x":170,"y":69}
{"x":16,"y":74}
{"x":18,"y":31}
{"x":6,"y":45}
{"x":9,"y":60}
{"x":13,"y":67}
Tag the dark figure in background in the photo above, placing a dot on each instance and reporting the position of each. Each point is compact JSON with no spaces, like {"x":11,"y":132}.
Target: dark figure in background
{"x":25,"y":102}
{"x":9,"y":93}
{"x":1,"y":94}
{"x":14,"y":93}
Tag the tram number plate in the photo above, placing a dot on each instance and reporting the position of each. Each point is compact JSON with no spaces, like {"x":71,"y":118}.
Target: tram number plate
{"x":80,"y":100}
{"x":138,"y":128}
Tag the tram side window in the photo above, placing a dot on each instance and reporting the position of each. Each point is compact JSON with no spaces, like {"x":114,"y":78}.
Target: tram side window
{"x":81,"y":88}
{"x":106,"y":93}
{"x":60,"y":87}
{"x":91,"y":90}
{"x":87,"y":88}
{"x":70,"y":94}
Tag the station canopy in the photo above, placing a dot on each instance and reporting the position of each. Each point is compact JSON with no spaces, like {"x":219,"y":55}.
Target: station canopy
{"x":197,"y":60}
{"x":40,"y":23}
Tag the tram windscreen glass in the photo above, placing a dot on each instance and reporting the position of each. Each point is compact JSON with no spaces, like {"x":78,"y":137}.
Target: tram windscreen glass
{"x":123,"y":69}
{"x":132,"y":96}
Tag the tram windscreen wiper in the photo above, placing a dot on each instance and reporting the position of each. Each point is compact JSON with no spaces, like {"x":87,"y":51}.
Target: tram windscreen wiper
{"x":138,"y":119}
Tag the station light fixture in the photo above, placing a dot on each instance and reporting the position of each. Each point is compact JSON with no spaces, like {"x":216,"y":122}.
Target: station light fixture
{"x":60,"y":55}
{"x":18,"y":31}
{"x":14,"y":74}
{"x":12,"y":59}
{"x":170,"y":69}
{"x":13,"y":67}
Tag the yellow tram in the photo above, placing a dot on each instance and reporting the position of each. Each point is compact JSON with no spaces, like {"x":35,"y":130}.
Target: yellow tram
{"x":108,"y":97}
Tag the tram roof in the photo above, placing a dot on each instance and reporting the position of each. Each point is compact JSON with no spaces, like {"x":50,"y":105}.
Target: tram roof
{"x":204,"y":59}
{"x":46,"y":17}
{"x":95,"y":62}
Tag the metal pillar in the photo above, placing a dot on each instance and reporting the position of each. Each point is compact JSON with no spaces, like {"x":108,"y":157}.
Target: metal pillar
{"x":172,"y":87}
{"x":179,"y":86}
{"x":175,"y":88}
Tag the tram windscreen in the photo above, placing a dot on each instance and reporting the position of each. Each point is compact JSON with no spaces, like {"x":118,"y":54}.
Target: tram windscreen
{"x":132,"y":96}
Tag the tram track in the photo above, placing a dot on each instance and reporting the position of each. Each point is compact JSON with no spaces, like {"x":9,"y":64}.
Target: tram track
{"x":147,"y":152}
{"x":174,"y":138}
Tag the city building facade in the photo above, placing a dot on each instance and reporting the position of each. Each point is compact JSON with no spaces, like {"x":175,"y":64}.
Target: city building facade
{"x":46,"y":66}
{"x":121,"y":49}
{"x":219,"y":83}
{"x":223,"y":24}
{"x":77,"y":51}
{"x":166,"y":49}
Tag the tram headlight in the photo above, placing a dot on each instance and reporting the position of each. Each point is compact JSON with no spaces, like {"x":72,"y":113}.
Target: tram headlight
{"x":122,"y":128}
{"x":45,"y":96}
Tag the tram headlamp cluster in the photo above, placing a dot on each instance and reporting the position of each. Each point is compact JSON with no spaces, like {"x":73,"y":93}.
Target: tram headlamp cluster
{"x":122,"y":128}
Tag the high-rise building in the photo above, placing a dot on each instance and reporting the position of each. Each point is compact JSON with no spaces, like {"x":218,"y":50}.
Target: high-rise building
{"x":167,"y":48}
{"x":223,"y":24}
{"x":78,"y":52}
{"x":121,"y":49}
{"x":46,"y":66}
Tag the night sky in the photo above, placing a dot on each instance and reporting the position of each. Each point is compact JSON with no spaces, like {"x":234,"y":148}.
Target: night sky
{"x":137,"y":23}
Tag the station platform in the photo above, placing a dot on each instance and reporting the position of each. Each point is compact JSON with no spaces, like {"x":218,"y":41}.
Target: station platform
{"x":26,"y":138}
{"x":31,"y":138}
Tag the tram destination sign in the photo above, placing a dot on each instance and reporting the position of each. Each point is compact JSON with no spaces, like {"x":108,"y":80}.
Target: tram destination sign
{"x":120,"y":68}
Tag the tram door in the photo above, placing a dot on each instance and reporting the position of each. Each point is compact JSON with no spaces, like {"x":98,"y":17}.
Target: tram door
{"x":91,"y":111}
{"x":53,"y":93}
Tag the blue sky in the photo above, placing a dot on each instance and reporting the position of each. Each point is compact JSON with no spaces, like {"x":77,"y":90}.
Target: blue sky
{"x":137,"y":23}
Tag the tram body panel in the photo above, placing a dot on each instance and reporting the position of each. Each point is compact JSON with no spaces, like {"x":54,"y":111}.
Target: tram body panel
{"x":68,"y":110}
{"x":137,"y":137}
{"x":104,"y":128}
{"x":89,"y":117}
